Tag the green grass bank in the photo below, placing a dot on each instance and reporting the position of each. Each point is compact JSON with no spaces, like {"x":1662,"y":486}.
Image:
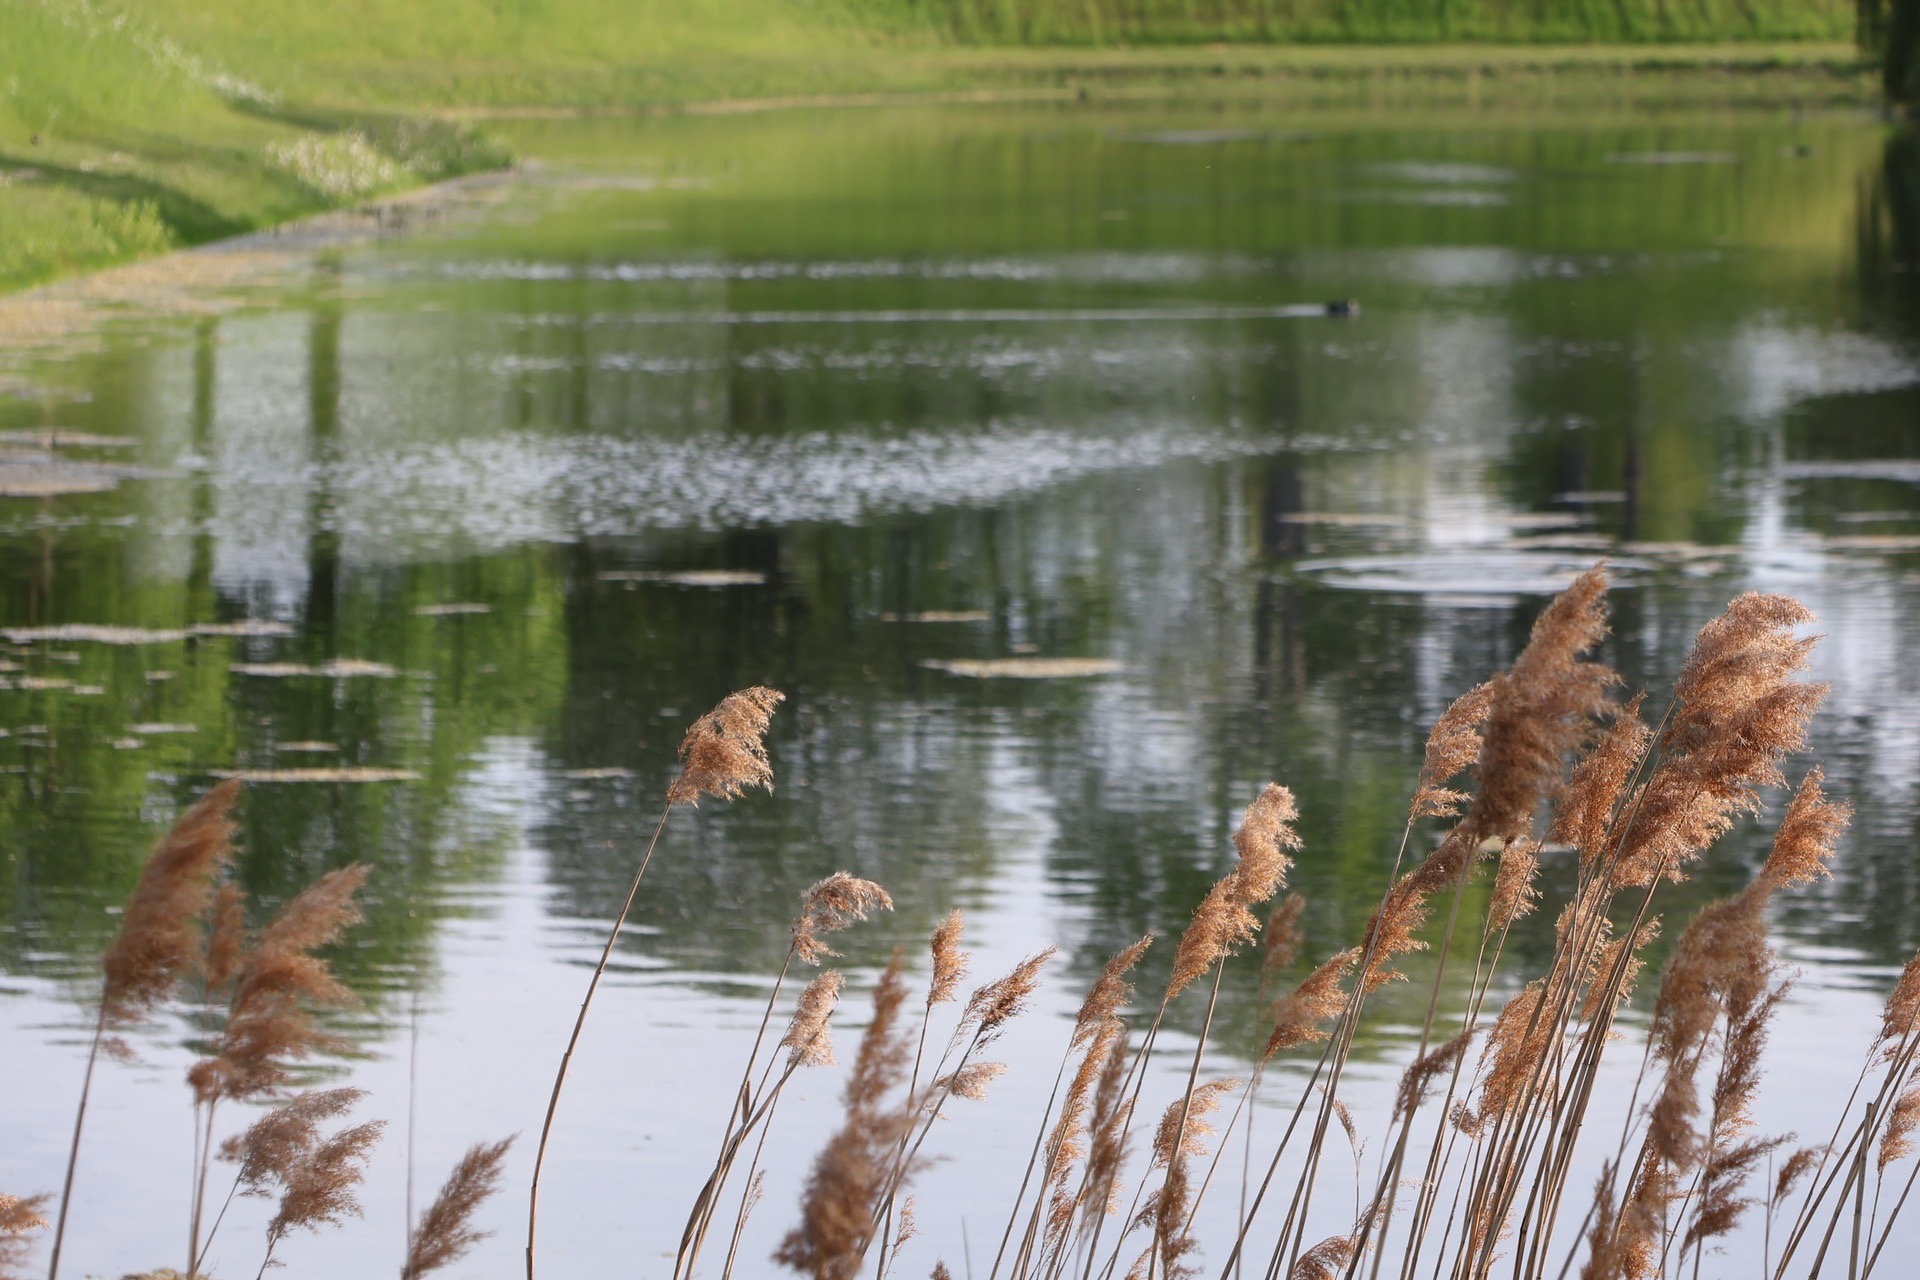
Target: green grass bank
{"x":129,"y":127}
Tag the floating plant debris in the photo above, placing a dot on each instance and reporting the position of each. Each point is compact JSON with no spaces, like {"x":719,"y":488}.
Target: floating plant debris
{"x":349,"y":774}
{"x":242,"y":627}
{"x":99,"y":633}
{"x":940,"y":615}
{"x":43,"y":480}
{"x":89,"y":633}
{"x":689,"y":577}
{"x":55,"y":438}
{"x":336,"y":668}
{"x":151,"y":730}
{"x":307,"y":747}
{"x":451,"y":610}
{"x":1025,"y":668}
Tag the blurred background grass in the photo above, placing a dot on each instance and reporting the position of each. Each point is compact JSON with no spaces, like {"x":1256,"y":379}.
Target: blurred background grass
{"x":127,"y":129}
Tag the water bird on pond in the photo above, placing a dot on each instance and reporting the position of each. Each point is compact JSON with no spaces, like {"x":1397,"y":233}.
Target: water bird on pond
{"x":1344,"y":307}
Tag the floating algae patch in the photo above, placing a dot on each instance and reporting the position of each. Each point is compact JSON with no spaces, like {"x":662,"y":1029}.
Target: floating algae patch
{"x":1024,"y":668}
{"x":690,"y":577}
{"x":337,"y":668}
{"x":53,"y":480}
{"x":1873,"y":542}
{"x":89,"y":633}
{"x":349,"y":774}
{"x":1344,"y":519}
{"x":242,"y":627}
{"x":50,"y":439}
{"x":450,"y":610}
{"x":940,"y":615}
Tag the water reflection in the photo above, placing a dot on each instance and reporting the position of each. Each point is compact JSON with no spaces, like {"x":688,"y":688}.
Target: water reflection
{"x":567,"y":482}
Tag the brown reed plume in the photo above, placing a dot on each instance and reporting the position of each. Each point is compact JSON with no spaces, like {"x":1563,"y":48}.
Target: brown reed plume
{"x":269,"y":1024}
{"x":445,"y":1233}
{"x":318,"y":1189}
{"x":18,"y":1217}
{"x":828,"y":906}
{"x":159,"y":944}
{"x":1096,"y":1029}
{"x":1181,"y":1136}
{"x":839,"y":1206}
{"x":722,"y":754}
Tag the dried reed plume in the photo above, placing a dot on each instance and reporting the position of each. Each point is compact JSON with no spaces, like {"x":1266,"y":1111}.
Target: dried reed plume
{"x":1902,"y":1011}
{"x":1298,"y":1017}
{"x":1737,"y":713}
{"x":1599,"y":780}
{"x":1224,"y":920}
{"x":446,"y":1232}
{"x":1452,"y":745}
{"x":268,"y":1020}
{"x":971,"y":1081}
{"x":992,"y":1006}
{"x":722,"y":754}
{"x":831,"y":905}
{"x":949,"y":961}
{"x":160,"y":939}
{"x":838,"y":1208}
{"x":1416,"y":1082}
{"x":1324,"y":1261}
{"x":1110,"y":992}
{"x":159,"y":943}
{"x":1107,"y":1150}
{"x":1282,"y":938}
{"x":272,"y":1146}
{"x":318,"y":1191}
{"x":1182,"y":1135}
{"x":18,"y":1216}
{"x":808,"y":1039}
{"x":1514,"y":894}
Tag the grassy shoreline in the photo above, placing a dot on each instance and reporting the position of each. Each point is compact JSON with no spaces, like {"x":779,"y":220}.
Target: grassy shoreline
{"x":182,"y":153}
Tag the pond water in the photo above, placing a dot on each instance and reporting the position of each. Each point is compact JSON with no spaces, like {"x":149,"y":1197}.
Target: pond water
{"x":841,"y":402}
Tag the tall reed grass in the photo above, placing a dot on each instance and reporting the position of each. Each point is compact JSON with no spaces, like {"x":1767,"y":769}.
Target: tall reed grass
{"x":1489,"y":1122}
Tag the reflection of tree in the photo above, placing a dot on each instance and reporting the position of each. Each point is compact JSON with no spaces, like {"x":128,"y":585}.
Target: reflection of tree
{"x":1889,"y":229}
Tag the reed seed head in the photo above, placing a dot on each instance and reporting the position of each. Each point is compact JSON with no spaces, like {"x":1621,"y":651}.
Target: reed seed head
{"x":1452,"y":746}
{"x":19,"y":1215}
{"x":445,"y":1233}
{"x":1599,"y":780}
{"x":724,"y":753}
{"x":268,"y":1018}
{"x":949,"y":961}
{"x":1325,"y":1261}
{"x":1109,"y":994}
{"x":809,"y":1039}
{"x":1297,"y":1016}
{"x":275,"y":1144}
{"x":992,"y":1006}
{"x":1283,"y":936}
{"x":319,"y":1190}
{"x":971,"y":1081}
{"x":1194,"y":1107}
{"x":1223,"y":921}
{"x":831,"y":905}
{"x":159,"y":941}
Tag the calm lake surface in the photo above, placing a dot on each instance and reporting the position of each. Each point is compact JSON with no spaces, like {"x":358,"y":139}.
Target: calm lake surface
{"x":825,"y":400}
